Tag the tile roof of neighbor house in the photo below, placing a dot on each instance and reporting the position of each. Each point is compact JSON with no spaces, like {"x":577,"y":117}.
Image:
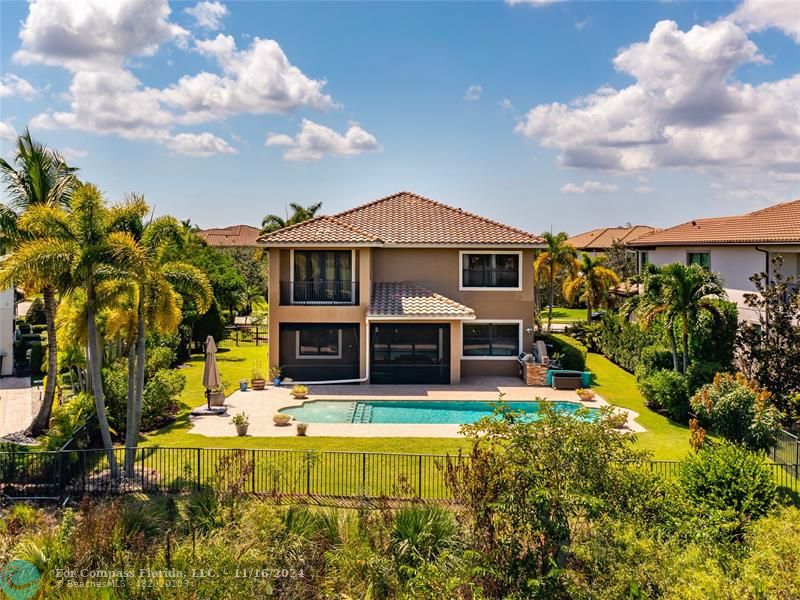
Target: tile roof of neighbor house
{"x":603,"y":238}
{"x":235,"y":236}
{"x":779,"y":224}
{"x":405,"y":299}
{"x":403,"y":219}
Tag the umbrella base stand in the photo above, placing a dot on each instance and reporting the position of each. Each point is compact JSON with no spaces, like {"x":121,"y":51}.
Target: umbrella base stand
{"x":202,"y":411}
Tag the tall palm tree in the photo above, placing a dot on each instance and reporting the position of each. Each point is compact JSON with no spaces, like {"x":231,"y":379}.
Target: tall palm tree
{"x":38,"y":177}
{"x":592,"y":280}
{"x":158,"y":284}
{"x":80,"y":250}
{"x":680,"y":293}
{"x":300,"y":213}
{"x":557,"y":258}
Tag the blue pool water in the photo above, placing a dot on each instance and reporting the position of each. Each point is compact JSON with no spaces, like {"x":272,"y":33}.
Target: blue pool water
{"x":451,"y":412}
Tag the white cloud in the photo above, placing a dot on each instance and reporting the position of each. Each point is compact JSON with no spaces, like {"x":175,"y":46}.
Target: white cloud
{"x":96,"y":39}
{"x":199,"y":145}
{"x":581,"y":24}
{"x":93,"y":34}
{"x":315,"y":141}
{"x":683,"y":110}
{"x":588,"y":186}
{"x":643,"y":189}
{"x":473,"y":93}
{"x":756,"y":15}
{"x":506,"y":104}
{"x":7,"y":131}
{"x":12,"y":85}
{"x":71,"y":154}
{"x":208,"y":15}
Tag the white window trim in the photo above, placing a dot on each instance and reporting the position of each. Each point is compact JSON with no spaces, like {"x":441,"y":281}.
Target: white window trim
{"x":299,"y":356}
{"x":352,"y":278}
{"x":461,"y":287}
{"x":492,"y":321}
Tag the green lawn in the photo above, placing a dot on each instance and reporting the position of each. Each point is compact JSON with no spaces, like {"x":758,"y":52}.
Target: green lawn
{"x":665,"y":439}
{"x":564,"y":315}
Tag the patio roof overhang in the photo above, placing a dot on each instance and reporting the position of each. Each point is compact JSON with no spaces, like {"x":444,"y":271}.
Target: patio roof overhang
{"x":406,"y":301}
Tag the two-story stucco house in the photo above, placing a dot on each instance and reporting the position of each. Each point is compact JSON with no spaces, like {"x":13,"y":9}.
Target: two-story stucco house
{"x":401,"y":290}
{"x":736,"y":247}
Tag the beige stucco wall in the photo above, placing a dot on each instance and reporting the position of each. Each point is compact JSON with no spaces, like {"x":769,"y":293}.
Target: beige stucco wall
{"x":434,"y":268}
{"x":7,"y":329}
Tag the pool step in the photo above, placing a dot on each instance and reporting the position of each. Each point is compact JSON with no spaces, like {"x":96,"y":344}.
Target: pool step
{"x":362,"y":413}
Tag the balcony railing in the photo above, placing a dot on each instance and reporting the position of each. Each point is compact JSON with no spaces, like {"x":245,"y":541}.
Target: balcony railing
{"x":319,"y":292}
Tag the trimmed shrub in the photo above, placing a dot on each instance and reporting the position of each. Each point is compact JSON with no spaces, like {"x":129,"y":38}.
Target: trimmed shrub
{"x":160,"y":398}
{"x":622,"y":342}
{"x":738,"y":410}
{"x":574,"y":353}
{"x":158,"y":358}
{"x":668,"y":390}
{"x":729,"y":478}
{"x":701,"y":372}
{"x":36,"y":314}
{"x":654,"y":358}
{"x":588,"y":334}
{"x":211,"y":324}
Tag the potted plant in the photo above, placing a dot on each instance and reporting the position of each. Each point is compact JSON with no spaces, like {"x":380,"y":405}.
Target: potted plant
{"x":299,"y":392}
{"x":617,"y":420}
{"x":275,"y":376}
{"x":243,"y":385}
{"x":257,"y":377}
{"x":217,"y":397}
{"x":241,"y":422}
{"x":585,"y":394}
{"x":281,"y":419}
{"x":302,"y":428}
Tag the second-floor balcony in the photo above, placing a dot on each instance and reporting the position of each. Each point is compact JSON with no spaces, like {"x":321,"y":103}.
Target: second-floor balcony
{"x":319,"y":292}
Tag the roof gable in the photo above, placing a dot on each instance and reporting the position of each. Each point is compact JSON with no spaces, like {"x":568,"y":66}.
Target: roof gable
{"x":403,"y":219}
{"x":604,"y":237}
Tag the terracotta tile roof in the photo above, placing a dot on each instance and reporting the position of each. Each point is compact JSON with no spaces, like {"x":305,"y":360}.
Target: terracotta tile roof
{"x":235,"y":236}
{"x":603,"y":238}
{"x":404,"y":299}
{"x":404,"y":219}
{"x":779,"y":224}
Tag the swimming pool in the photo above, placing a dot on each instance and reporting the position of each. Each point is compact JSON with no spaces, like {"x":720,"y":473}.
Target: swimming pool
{"x":448,"y":412}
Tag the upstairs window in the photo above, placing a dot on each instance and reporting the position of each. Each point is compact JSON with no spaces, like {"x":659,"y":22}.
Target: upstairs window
{"x":487,"y":270}
{"x":699,"y":258}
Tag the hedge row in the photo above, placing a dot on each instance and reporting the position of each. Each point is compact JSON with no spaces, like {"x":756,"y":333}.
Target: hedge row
{"x":574,"y":353}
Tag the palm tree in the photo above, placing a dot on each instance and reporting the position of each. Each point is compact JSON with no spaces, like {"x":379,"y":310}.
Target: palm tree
{"x":80,"y":250}
{"x":158,"y":287}
{"x":300,"y":213}
{"x":592,"y":280}
{"x":39,"y":177}
{"x":680,"y":293}
{"x":557,"y":258}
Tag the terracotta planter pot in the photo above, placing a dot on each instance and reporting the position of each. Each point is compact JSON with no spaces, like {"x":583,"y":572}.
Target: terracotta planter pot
{"x":217,"y":398}
{"x":302,"y":428}
{"x":241,"y":430}
{"x":299,"y":396}
{"x":281,"y":419}
{"x":258,"y":384}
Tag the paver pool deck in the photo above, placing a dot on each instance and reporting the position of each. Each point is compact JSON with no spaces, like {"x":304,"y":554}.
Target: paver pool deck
{"x":261,"y":405}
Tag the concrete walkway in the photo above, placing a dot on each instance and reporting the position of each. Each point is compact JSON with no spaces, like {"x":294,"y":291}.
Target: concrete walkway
{"x":19,"y":402}
{"x":260,"y":406}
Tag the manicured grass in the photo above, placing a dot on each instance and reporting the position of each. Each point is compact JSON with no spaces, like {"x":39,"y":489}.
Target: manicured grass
{"x":564,"y":315}
{"x":236,"y":364}
{"x":665,"y":439}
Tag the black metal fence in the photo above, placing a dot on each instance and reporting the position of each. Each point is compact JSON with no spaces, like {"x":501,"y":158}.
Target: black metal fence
{"x":79,"y":472}
{"x":787,"y":452}
{"x":244,"y":335}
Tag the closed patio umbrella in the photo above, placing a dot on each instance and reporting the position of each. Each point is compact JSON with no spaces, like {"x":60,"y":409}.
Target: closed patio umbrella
{"x":211,"y":378}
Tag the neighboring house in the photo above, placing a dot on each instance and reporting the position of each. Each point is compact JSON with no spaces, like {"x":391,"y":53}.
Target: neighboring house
{"x":7,"y":302}
{"x":235,"y":236}
{"x":401,"y":290}
{"x":736,"y":247}
{"x":602,"y":239}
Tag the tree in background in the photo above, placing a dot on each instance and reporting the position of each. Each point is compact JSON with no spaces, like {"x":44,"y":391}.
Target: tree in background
{"x":38,"y":177}
{"x":591,"y":281}
{"x":557,"y":259}
{"x":622,"y":260}
{"x":299,"y":214}
{"x":770,"y":352}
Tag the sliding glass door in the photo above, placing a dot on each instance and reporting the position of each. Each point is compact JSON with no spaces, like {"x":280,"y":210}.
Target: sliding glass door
{"x":323,"y":276}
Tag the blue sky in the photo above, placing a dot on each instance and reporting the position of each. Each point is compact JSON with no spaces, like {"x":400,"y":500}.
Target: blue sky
{"x":568,"y":115}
